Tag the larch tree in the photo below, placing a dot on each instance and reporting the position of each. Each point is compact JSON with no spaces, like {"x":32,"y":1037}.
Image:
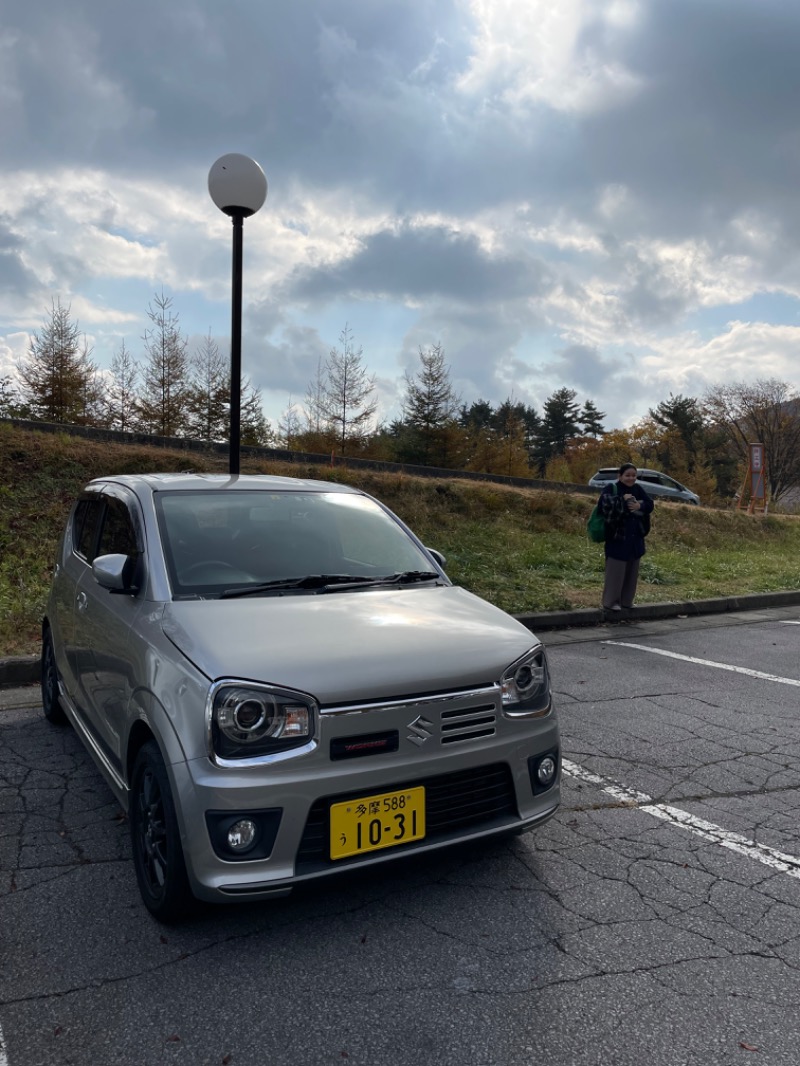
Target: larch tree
{"x":162,"y":403}
{"x":254,"y":427}
{"x":290,"y":426}
{"x":10,"y":406}
{"x":347,"y":404}
{"x":120,"y":393}
{"x":208,"y":399}
{"x":58,"y":379}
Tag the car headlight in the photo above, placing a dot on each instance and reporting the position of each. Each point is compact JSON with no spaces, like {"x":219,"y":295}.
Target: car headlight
{"x":249,"y":721}
{"x":525,"y":685}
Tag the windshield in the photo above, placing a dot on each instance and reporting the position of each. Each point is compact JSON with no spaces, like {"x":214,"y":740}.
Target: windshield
{"x":215,"y":542}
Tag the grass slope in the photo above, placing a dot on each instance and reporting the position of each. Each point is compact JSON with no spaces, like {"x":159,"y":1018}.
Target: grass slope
{"x":524,"y":550}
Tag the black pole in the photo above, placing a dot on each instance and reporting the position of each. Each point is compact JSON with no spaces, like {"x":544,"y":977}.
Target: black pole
{"x":236,"y":344}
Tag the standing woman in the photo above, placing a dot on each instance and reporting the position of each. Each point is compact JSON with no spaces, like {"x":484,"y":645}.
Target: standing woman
{"x":626,"y":508}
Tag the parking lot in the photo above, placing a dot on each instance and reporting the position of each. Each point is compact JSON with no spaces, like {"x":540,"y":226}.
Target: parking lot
{"x":655,"y":920}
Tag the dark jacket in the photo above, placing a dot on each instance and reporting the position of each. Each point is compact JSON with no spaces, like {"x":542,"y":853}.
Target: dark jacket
{"x":625,"y":530}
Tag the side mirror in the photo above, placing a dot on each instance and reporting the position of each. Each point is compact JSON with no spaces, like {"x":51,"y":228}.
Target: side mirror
{"x":115,"y":572}
{"x":440,"y":559}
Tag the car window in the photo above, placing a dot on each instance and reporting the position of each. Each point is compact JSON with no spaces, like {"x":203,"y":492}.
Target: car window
{"x":650,"y":479}
{"x":216,"y":540}
{"x":84,"y":527}
{"x":118,"y":536}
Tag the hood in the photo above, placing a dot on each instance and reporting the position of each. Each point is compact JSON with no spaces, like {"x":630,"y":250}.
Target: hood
{"x":348,"y":647}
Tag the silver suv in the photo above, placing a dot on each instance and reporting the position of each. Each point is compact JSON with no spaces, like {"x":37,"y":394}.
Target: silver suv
{"x":653,"y":482}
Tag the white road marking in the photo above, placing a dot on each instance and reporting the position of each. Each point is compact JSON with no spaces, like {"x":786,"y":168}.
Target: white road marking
{"x":708,"y":662}
{"x":779,"y":861}
{"x":3,"y":1055}
{"x":787,"y":622}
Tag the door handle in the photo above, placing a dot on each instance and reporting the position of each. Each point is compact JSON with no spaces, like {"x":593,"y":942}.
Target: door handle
{"x":81,"y":601}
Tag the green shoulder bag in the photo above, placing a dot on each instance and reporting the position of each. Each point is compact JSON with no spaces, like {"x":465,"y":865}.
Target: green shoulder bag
{"x":596,"y":526}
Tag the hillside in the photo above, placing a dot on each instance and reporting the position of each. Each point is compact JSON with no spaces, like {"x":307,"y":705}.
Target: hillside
{"x":523,"y":549}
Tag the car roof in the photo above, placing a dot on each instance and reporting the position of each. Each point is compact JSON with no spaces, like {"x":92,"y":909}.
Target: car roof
{"x":200,"y":482}
{"x":639,"y":470}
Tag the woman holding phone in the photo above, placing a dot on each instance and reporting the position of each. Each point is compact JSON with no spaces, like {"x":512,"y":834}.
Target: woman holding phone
{"x":626,"y":507}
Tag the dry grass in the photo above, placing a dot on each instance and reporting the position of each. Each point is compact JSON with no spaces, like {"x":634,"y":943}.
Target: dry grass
{"x":525,"y":550}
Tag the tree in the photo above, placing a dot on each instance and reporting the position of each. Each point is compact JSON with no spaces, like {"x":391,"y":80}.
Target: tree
{"x":591,"y":420}
{"x":289,"y":426}
{"x":765,"y":412}
{"x":120,"y":394}
{"x":560,"y":423}
{"x":254,"y":428}
{"x":684,"y":415}
{"x":59,"y":381}
{"x":208,"y":398}
{"x":347,"y":403}
{"x":10,"y":406}
{"x":501,"y":450}
{"x":317,"y":436}
{"x":512,"y":411}
{"x":162,"y":403}
{"x":430,"y":411}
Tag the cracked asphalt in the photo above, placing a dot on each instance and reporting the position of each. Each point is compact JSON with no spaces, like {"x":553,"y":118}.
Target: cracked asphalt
{"x":654,"y":922}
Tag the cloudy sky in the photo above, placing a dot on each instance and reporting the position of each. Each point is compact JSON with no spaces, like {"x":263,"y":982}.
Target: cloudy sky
{"x":598,"y":194}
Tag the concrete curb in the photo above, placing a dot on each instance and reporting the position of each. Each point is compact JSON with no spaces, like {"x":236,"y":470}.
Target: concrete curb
{"x":593,"y":616}
{"x":25,"y":670}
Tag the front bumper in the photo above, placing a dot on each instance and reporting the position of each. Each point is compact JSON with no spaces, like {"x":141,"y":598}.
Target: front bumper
{"x":477,"y":785}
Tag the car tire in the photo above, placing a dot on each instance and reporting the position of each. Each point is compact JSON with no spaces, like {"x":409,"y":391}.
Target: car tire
{"x":156,"y":839}
{"x":51,"y":703}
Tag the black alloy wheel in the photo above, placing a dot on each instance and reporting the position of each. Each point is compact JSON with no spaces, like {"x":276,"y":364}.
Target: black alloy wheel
{"x":155,"y":837}
{"x":51,"y":704}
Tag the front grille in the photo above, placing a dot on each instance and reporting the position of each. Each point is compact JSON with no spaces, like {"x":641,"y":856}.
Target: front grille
{"x":467,"y":725}
{"x":467,"y":799}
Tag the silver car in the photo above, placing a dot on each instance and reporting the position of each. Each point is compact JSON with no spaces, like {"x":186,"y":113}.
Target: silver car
{"x":653,"y":482}
{"x":279,"y":682}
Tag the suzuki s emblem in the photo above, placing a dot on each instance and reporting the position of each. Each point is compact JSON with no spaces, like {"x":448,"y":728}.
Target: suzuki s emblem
{"x":419,"y":731}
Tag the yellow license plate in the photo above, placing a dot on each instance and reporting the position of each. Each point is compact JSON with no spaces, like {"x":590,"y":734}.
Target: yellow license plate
{"x":375,"y":822}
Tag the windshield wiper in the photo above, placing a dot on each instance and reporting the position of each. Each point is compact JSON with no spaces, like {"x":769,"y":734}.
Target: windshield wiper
{"x":325,"y":581}
{"x":408,"y":577}
{"x":311,"y":581}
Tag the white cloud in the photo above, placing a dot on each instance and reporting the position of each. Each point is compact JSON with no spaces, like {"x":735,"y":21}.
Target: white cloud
{"x":559,"y":55}
{"x":592,"y":193}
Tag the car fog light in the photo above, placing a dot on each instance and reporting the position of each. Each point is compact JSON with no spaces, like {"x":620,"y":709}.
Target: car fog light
{"x":546,"y":770}
{"x":242,"y":835}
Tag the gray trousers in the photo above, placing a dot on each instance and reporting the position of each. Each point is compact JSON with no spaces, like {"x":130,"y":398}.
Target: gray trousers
{"x":620,"y":583}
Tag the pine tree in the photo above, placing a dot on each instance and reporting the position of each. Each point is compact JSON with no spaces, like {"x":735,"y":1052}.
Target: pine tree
{"x":430,"y":412}
{"x":161,"y":407}
{"x":59,"y":380}
{"x":591,"y":420}
{"x":560,"y":423}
